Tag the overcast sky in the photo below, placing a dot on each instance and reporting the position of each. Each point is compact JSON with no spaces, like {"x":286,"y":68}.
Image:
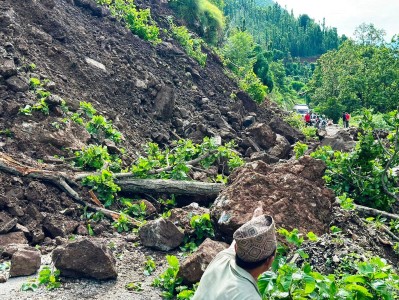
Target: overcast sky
{"x":346,"y":15}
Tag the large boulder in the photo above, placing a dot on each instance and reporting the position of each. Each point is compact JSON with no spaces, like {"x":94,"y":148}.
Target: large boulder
{"x":283,"y":128}
{"x":161,"y":234}
{"x":263,"y":135}
{"x":293,"y":193}
{"x":195,"y":265}
{"x":341,"y":141}
{"x":85,"y":258}
{"x":12,"y":238}
{"x":281,"y":149}
{"x":25,"y":262}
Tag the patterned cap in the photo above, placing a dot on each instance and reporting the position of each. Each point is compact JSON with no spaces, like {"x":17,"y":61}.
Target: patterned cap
{"x":256,"y":239}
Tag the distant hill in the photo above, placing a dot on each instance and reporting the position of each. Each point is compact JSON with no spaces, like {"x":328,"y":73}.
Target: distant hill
{"x":274,"y":28}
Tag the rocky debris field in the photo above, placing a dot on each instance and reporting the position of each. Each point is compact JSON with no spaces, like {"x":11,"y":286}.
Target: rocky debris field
{"x":149,"y":93}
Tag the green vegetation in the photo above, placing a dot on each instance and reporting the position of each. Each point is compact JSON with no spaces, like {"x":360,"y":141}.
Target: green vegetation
{"x":149,"y":266}
{"x":358,"y":75}
{"x":174,"y":163}
{"x":371,"y":278}
{"x":139,"y":21}
{"x":104,"y":185}
{"x":202,"y":16}
{"x":300,"y":149}
{"x":92,"y":157}
{"x":37,"y":87}
{"x":122,"y":224}
{"x":47,"y":277}
{"x":202,"y":229}
{"x":366,"y":173}
{"x":192,"y":46}
{"x":170,"y":283}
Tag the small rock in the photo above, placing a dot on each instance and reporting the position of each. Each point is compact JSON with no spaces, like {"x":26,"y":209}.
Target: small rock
{"x":161,"y":234}
{"x":3,"y":278}
{"x":95,"y":63}
{"x":82,"y":230}
{"x":181,"y":216}
{"x":85,"y":258}
{"x":25,"y":262}
{"x":7,"y":68}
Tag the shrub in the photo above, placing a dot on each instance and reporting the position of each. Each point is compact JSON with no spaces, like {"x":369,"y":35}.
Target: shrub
{"x":254,"y":87}
{"x":190,"y":45}
{"x":139,"y":21}
{"x":203,"y":16}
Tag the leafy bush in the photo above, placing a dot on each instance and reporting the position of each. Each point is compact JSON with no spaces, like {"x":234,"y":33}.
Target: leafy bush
{"x":203,"y":229}
{"x":139,"y":21}
{"x":254,"y":87}
{"x":300,"y":149}
{"x":98,"y":126}
{"x":175,"y":161}
{"x":92,"y":157}
{"x":191,"y":45}
{"x":203,"y":16}
{"x":122,"y":224}
{"x":47,"y":277}
{"x":372,"y":279}
{"x":170,"y":283}
{"x":104,"y":185}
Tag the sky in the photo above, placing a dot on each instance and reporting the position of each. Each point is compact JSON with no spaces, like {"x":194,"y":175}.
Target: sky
{"x":346,"y":15}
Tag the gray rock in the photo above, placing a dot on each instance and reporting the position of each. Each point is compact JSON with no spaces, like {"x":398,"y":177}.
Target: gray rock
{"x":25,"y":262}
{"x":195,"y":265}
{"x":282,"y":147}
{"x":161,"y":234}
{"x":264,"y":156}
{"x":7,"y":68}
{"x":263,"y":135}
{"x":12,"y":238}
{"x":165,"y":102}
{"x":85,"y":258}
{"x":17,"y":84}
{"x":57,"y":227}
{"x":283,"y":128}
{"x":7,"y":226}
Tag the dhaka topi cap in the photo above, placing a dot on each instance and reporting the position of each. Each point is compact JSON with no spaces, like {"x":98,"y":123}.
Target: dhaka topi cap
{"x":256,"y":239}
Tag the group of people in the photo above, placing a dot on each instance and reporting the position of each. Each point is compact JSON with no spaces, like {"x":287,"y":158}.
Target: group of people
{"x":312,"y":119}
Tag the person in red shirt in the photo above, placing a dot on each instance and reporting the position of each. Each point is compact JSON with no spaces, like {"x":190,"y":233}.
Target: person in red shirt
{"x":347,"y":117}
{"x":307,"y":119}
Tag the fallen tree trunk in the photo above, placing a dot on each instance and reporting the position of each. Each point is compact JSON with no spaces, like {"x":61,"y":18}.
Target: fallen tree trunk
{"x":159,"y":186}
{"x":375,"y":212}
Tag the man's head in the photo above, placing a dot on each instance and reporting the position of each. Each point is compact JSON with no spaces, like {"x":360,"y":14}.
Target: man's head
{"x":256,"y":243}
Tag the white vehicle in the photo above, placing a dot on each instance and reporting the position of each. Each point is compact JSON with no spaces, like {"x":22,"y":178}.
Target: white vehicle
{"x":301,"y":109}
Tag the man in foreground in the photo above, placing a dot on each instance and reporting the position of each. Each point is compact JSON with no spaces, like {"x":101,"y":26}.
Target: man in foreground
{"x":233,"y":273}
